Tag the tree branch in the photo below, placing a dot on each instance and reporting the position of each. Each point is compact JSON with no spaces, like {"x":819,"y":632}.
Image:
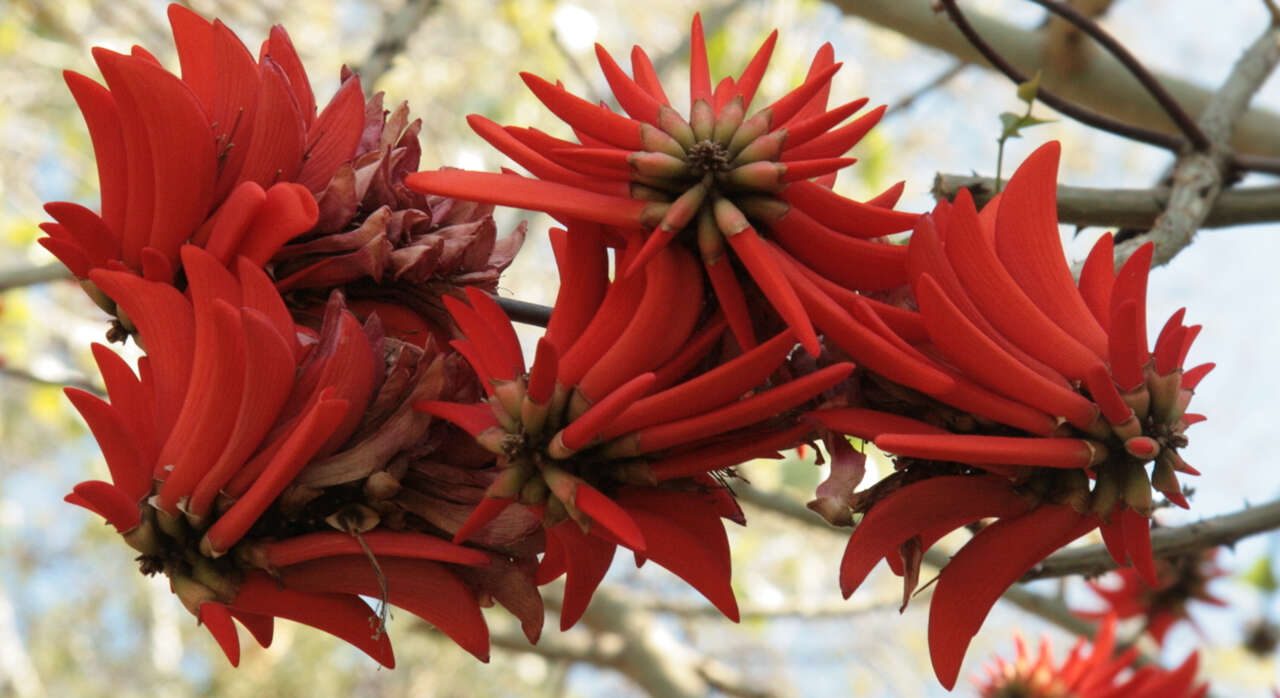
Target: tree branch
{"x":1199,"y":177}
{"x":1070,"y":109}
{"x":393,"y":35}
{"x":1102,"y":84}
{"x":910,"y":98}
{"x":1127,"y":208}
{"x":1093,"y":560}
{"x":524,"y":311}
{"x":19,"y":277}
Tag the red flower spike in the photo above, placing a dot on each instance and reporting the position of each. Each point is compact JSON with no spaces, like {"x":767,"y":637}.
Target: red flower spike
{"x":474,"y":419}
{"x":706,"y":392}
{"x":724,"y":282}
{"x":99,"y":243}
{"x":542,"y":376}
{"x":424,"y":588}
{"x":516,"y":143}
{"x":1000,"y":450}
{"x":719,"y":456}
{"x":125,"y":388}
{"x":138,"y":169}
{"x":217,"y":619}
{"x":610,"y":320}
{"x":1003,"y":302}
{"x":646,"y":76}
{"x":696,"y":349}
{"x":699,"y":72}
{"x":597,"y":122}
{"x":277,"y":138}
{"x":342,"y":615}
{"x":981,"y":358}
{"x":610,"y":516}
{"x":946,"y":502}
{"x":1027,"y":243}
{"x":1167,"y":348}
{"x":790,"y":104}
{"x":262,"y":628}
{"x":279,"y":48}
{"x":988,"y":564}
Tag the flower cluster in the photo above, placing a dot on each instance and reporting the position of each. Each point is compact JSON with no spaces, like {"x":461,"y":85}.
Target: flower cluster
{"x":1180,"y":580}
{"x":332,"y":404}
{"x":1089,"y":671}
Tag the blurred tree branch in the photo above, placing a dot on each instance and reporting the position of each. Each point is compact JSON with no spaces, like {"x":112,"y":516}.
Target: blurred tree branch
{"x":1128,"y":208}
{"x":1102,"y":83}
{"x":394,"y":33}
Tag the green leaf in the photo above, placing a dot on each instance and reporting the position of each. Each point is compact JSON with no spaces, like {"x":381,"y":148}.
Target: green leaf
{"x":1027,"y":90}
{"x":1261,"y":575}
{"x":1014,"y":123}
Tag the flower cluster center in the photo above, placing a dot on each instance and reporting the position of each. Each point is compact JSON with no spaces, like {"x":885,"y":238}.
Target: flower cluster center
{"x":707,"y":157}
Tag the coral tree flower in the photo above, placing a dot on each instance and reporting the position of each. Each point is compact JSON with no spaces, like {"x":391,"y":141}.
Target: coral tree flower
{"x":1066,"y":407}
{"x":723,"y":179}
{"x":607,"y":437}
{"x":227,"y":408}
{"x":1181,"y":579}
{"x":1089,"y":671}
{"x":229,"y":157}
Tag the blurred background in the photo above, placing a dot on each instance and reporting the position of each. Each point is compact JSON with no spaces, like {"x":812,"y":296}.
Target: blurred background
{"x":77,"y":619}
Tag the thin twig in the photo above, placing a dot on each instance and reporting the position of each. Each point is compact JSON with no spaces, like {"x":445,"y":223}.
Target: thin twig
{"x":1093,"y":560}
{"x":525,"y":312}
{"x":1086,"y":24}
{"x":1067,"y":108}
{"x":938,"y":81}
{"x":1127,"y":208}
{"x":1198,"y":177}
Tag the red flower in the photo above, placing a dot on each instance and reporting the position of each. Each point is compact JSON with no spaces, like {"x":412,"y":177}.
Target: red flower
{"x":230,"y":156}
{"x":1059,"y":388}
{"x":1087,"y":672}
{"x":605,"y":437}
{"x":1180,"y":580}
{"x":226,"y":410}
{"x":719,"y":180}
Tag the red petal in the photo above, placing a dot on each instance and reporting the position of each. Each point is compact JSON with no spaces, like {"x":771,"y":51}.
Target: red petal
{"x":706,"y":392}
{"x":489,"y":348}
{"x":1097,"y":276}
{"x":751,"y":75}
{"x":542,"y":377}
{"x":332,"y":139}
{"x":699,"y":73}
{"x":983,"y":569}
{"x":1137,"y":541}
{"x":424,"y":588}
{"x":260,"y":627}
{"x":645,"y":75}
{"x":763,"y":268}
{"x":280,"y":49}
{"x":685,"y":535}
{"x":1001,"y":450}
{"x":845,"y":215}
{"x":719,"y":455}
{"x":227,"y":226}
{"x":1127,"y":347}
{"x":519,"y":145}
{"x":289,"y":211}
{"x":278,"y":138}
{"x":217,"y":619}
{"x":487,"y":510}
{"x":474,"y":419}
{"x":108,"y":501}
{"x":1131,"y":285}
{"x":127,"y":389}
{"x":609,"y":515}
{"x":835,"y":143}
{"x":791,"y":103}
{"x":595,"y":121}
{"x":697,"y":348}
{"x":588,"y":427}
{"x":724,"y":281}
{"x":118,"y":443}
{"x":803,"y":131}
{"x":1028,"y":245}
{"x":312,"y":546}
{"x":631,"y":96}
{"x":343,"y":615}
{"x":946,"y":502}
{"x":587,"y":558}
{"x":521,"y":192}
{"x":583,"y":264}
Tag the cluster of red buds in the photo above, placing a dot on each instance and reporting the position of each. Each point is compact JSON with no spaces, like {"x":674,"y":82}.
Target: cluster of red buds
{"x":332,"y":404}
